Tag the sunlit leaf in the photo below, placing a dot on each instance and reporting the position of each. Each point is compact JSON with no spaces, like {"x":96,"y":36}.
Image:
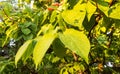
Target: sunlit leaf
{"x":42,"y":46}
{"x":22,"y":50}
{"x":90,"y":10}
{"x":115,"y":12}
{"x":80,"y":6}
{"x":30,"y":48}
{"x":103,"y":6}
{"x":74,"y":17}
{"x":29,"y":51}
{"x":77,"y":42}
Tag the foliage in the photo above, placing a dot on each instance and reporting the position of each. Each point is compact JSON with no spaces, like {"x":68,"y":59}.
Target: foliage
{"x":60,"y":36}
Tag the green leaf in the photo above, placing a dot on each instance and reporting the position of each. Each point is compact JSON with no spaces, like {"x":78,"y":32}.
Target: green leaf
{"x":33,"y":27}
{"x":7,"y":8}
{"x":2,"y":66}
{"x":26,"y":24}
{"x":115,"y":12}
{"x":61,"y":22}
{"x":53,"y":16}
{"x":42,"y":46}
{"x":22,"y":50}
{"x":59,"y":48}
{"x":88,"y":25}
{"x":90,"y":12}
{"x":26,"y":31}
{"x":44,"y":17}
{"x":28,"y":37}
{"x":117,"y":23}
{"x":77,"y":42}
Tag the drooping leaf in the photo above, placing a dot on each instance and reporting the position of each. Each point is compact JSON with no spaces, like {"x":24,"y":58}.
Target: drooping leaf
{"x":22,"y":50}
{"x":77,"y":42}
{"x":8,"y":32}
{"x":59,"y":48}
{"x":42,"y":46}
{"x":29,"y":50}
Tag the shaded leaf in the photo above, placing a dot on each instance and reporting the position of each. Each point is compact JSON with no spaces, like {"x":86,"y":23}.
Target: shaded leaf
{"x":59,"y":48}
{"x":26,"y":31}
{"x":88,"y":25}
{"x":28,"y":37}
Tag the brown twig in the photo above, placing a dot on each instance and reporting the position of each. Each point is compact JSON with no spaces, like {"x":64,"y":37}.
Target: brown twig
{"x":75,"y":56}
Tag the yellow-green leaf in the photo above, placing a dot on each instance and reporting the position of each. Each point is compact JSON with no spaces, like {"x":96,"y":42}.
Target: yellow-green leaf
{"x":53,"y":16}
{"x":26,"y":46}
{"x":42,"y":46}
{"x":90,"y":10}
{"x":77,"y":42}
{"x":8,"y":32}
{"x":74,"y":17}
{"x":115,"y":12}
{"x":29,"y":51}
{"x":103,"y":6}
